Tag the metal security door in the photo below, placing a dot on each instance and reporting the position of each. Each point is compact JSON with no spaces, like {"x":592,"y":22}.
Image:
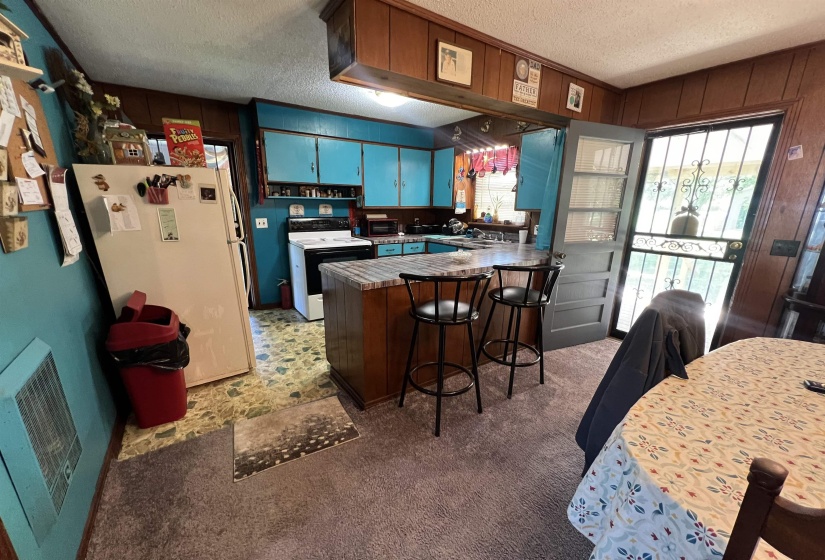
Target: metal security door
{"x":694,"y":213}
{"x":598,"y":181}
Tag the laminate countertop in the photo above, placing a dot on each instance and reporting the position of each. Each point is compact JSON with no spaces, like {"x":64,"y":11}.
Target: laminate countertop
{"x":371,"y":274}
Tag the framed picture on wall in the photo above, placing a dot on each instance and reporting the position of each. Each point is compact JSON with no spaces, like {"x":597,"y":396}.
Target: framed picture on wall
{"x":575,"y":98}
{"x":454,"y":64}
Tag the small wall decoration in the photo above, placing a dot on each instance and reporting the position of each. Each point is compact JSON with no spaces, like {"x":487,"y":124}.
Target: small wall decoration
{"x":168,"y":224}
{"x":9,"y":205}
{"x":129,"y":146}
{"x":208,"y":194}
{"x":185,"y":142}
{"x":325,"y":209}
{"x":795,"y":152}
{"x":575,"y":98}
{"x":526,"y":80}
{"x":296,"y":210}
{"x":14,"y":233}
{"x":454,"y":64}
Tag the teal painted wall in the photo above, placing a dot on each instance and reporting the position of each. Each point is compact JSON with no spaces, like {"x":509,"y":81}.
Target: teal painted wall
{"x":271,"y":253}
{"x":38,"y":298}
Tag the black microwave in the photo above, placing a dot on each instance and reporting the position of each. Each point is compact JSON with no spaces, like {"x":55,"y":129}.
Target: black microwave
{"x":380,"y":227}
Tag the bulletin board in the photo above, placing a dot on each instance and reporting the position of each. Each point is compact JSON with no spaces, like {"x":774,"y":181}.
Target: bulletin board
{"x":17,"y":147}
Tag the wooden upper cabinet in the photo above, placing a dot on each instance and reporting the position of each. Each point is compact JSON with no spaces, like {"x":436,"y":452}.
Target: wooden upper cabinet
{"x":372,"y":33}
{"x":505,"y":80}
{"x":550,"y":90}
{"x":478,"y":50}
{"x":395,"y":48}
{"x":409,"y":35}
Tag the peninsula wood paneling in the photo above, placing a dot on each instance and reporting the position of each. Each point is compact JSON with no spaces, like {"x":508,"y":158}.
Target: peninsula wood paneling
{"x":791,"y":82}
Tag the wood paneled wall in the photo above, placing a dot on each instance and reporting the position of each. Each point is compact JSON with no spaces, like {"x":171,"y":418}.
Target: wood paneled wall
{"x":396,"y":48}
{"x":220,"y":120}
{"x":792,"y":82}
{"x":146,"y":109}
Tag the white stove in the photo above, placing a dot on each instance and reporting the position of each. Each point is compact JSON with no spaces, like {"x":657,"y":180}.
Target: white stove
{"x":312,"y":242}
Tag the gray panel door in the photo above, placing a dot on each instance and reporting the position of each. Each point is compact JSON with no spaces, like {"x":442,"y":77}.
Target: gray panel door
{"x":598,"y":184}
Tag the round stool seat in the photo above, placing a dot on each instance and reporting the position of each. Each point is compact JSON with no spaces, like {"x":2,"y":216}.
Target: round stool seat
{"x":514,"y":296}
{"x":426,"y":312}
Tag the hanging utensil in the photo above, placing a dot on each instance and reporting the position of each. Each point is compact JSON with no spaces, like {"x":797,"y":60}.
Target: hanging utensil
{"x":471,"y":174}
{"x":460,"y":176}
{"x":507,"y":162}
{"x":495,"y":156}
{"x":483,"y":171}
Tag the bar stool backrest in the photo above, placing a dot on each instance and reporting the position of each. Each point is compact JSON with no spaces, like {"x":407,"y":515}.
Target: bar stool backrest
{"x":549,"y":274}
{"x":476,"y":281}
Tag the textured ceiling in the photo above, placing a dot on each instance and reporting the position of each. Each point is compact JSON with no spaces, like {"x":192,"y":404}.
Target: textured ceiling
{"x":218,"y":49}
{"x":276,"y":50}
{"x":631,"y":42}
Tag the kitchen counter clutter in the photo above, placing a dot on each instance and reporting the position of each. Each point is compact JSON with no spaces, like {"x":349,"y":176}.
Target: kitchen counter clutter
{"x":382,"y":273}
{"x":367,"y":323}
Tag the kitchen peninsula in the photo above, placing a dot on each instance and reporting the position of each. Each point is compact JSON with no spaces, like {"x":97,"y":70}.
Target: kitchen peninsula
{"x":368,"y":326}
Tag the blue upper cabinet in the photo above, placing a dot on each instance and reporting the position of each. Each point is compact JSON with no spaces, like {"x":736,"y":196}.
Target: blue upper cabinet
{"x":443,"y":177}
{"x":380,"y":175}
{"x":416,"y":169}
{"x":537,"y":149}
{"x":290,"y":158}
{"x":339,"y":162}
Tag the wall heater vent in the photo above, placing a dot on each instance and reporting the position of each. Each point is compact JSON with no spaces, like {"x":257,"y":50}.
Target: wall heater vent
{"x":38,"y":437}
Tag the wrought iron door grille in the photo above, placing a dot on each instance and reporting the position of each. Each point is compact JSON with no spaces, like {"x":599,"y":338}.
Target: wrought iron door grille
{"x":694,"y":211}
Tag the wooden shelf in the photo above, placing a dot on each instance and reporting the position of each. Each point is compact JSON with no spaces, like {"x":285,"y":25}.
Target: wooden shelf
{"x":19,"y":71}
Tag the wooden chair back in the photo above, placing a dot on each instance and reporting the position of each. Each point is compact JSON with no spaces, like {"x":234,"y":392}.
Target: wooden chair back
{"x":796,"y":531}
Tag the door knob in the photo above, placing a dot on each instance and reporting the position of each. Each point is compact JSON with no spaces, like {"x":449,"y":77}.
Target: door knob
{"x":560,"y":255}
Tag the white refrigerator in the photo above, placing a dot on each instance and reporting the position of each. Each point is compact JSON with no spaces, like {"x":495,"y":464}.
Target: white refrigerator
{"x":201,"y":276}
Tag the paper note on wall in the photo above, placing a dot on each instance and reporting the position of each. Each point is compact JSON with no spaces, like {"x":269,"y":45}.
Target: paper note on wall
{"x":29,"y":191}
{"x":72,"y":245}
{"x":6,"y":127}
{"x":7,"y":100}
{"x":123,"y":215}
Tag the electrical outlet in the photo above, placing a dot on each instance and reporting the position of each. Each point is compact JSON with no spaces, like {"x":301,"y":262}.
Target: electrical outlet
{"x":261,"y":223}
{"x":785,"y":248}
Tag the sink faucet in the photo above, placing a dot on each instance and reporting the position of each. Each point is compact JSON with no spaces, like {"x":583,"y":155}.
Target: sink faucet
{"x":480,"y":233}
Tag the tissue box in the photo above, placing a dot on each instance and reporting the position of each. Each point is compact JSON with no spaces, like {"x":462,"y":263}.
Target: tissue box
{"x":14,"y":232}
{"x":9,"y":205}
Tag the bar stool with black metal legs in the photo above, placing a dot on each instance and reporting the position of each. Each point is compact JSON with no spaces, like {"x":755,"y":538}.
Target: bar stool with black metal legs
{"x":518,"y":298}
{"x":445,"y":313}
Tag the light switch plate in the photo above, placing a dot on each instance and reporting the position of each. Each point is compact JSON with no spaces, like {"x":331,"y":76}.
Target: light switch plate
{"x":261,"y":223}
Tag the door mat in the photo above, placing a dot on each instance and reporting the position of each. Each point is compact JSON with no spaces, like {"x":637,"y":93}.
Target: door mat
{"x":274,"y":439}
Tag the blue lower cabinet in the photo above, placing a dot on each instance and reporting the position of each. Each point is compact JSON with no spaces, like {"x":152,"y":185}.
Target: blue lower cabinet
{"x":413,"y":248}
{"x":389,"y":250}
{"x":440,"y":248}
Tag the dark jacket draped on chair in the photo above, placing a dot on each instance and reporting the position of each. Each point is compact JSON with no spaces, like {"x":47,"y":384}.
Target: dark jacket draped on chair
{"x":668,"y":334}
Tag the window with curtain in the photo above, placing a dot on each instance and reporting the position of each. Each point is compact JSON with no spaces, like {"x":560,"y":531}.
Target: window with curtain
{"x":498,"y":186}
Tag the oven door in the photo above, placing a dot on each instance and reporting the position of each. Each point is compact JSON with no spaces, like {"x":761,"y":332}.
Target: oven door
{"x":315,"y":257}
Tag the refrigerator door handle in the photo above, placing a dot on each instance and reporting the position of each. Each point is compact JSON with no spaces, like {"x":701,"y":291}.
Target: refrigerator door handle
{"x":237,"y":206}
{"x":247,"y":278}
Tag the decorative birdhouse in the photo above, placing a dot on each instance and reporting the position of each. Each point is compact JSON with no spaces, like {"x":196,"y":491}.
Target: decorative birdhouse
{"x":12,"y":59}
{"x":129,"y":146}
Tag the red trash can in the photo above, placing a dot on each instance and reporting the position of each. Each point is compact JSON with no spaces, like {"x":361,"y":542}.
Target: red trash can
{"x":158,"y":395}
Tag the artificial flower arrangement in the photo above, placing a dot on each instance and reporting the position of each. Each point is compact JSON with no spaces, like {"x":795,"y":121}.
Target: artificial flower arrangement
{"x":89,"y":114}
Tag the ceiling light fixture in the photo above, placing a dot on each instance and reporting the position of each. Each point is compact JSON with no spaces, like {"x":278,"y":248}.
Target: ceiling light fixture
{"x":388,"y":99}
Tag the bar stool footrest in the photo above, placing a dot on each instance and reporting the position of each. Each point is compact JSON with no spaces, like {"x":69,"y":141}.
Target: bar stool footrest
{"x":443,"y":393}
{"x":503,"y":362}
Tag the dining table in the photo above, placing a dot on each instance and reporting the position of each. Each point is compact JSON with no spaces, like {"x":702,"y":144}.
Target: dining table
{"x":669,"y":482}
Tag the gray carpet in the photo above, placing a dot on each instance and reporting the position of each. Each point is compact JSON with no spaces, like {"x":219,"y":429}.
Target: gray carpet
{"x":492,"y":486}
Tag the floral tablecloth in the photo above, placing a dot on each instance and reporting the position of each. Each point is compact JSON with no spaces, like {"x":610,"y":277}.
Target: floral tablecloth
{"x":670,"y":480}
